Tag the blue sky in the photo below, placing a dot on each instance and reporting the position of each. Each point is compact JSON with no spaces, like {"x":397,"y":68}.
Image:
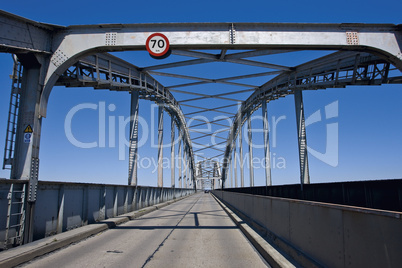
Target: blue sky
{"x":369,"y":118}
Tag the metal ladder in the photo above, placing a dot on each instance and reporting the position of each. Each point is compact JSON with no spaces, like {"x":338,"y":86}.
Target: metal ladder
{"x":15,"y":215}
{"x":12,"y":114}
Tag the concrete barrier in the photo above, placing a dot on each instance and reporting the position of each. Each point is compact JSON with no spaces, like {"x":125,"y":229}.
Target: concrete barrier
{"x":324,"y":234}
{"x":62,"y":206}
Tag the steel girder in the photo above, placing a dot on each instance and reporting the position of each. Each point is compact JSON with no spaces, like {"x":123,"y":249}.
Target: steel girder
{"x":20,"y":35}
{"x":73,"y":42}
{"x":336,"y":70}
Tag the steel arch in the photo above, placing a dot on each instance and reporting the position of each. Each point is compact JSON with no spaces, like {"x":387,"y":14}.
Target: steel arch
{"x":73,"y":42}
{"x":119,"y":75}
{"x":58,"y":47}
{"x":336,"y":70}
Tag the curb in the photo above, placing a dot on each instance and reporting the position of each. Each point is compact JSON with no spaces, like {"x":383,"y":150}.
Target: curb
{"x":271,"y":255}
{"x":27,"y":252}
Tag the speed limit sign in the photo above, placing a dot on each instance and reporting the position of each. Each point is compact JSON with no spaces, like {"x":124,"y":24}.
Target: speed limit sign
{"x":157,"y":45}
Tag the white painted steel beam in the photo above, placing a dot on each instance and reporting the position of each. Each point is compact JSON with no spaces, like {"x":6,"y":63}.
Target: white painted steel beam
{"x":207,"y":80}
{"x":69,"y":45}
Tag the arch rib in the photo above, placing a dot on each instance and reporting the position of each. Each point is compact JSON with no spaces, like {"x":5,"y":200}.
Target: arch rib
{"x":107,"y":71}
{"x":336,"y":70}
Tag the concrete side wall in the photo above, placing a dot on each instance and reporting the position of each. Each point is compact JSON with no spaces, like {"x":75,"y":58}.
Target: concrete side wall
{"x":65,"y":206}
{"x":377,"y":194}
{"x":332,"y":235}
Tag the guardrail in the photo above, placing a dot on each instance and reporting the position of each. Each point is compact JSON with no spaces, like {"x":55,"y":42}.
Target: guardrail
{"x":377,"y":194}
{"x":322,"y":234}
{"x":63,"y":206}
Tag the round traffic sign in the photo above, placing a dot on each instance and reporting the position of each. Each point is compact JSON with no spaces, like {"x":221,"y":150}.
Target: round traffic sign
{"x":157,"y":44}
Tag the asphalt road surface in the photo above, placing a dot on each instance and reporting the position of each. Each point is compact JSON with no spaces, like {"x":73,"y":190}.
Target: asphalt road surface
{"x":194,"y":232}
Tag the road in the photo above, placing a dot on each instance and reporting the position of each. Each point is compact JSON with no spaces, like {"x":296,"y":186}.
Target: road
{"x":193,"y":232}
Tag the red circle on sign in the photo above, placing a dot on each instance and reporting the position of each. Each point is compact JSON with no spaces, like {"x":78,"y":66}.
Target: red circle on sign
{"x":157,"y":44}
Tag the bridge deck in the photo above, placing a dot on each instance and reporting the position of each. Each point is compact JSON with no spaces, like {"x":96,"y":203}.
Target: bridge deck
{"x":194,"y":232}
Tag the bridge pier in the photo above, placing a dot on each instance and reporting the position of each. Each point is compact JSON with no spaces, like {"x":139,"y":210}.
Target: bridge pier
{"x":26,"y":154}
{"x":25,"y":163}
{"x":302,"y":139}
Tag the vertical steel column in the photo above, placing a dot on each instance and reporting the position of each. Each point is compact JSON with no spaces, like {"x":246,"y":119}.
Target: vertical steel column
{"x":60,"y":214}
{"x":180,"y":161}
{"x":29,"y":123}
{"x":102,"y":203}
{"x":187,"y":168}
{"x":241,"y":154}
{"x":172,"y":153}
{"x":160,"y":146}
{"x":301,"y":133}
{"x":84,"y":216}
{"x":184,"y":179}
{"x":265,"y":126}
{"x":235,"y":166}
{"x":250,"y":150}
{"x":230,"y":171}
{"x":115,"y":201}
{"x":190,"y":175}
{"x":184,"y":165}
{"x":133,"y":149}
{"x":25,"y":164}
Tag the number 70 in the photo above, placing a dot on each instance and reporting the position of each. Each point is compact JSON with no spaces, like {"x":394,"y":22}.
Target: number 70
{"x":161,"y":43}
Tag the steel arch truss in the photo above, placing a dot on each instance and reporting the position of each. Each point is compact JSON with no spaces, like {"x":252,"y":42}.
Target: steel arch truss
{"x":74,"y":56}
{"x":336,"y":70}
{"x":105,"y":71}
{"x":50,"y":51}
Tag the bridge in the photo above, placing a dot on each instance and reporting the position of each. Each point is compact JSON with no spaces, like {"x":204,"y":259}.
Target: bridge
{"x":303,"y":225}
